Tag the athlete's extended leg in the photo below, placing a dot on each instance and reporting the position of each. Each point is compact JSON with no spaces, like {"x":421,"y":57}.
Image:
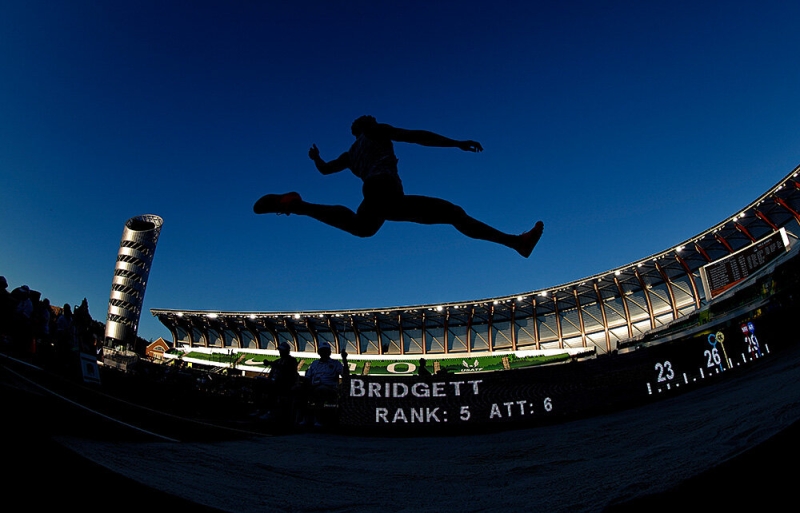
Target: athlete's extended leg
{"x":427,"y":210}
{"x":361,"y":224}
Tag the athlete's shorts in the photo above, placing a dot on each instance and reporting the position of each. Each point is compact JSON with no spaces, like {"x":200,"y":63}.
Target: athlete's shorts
{"x":381,"y":196}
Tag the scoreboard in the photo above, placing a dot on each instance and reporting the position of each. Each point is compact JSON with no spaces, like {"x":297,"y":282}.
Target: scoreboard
{"x":723,"y":274}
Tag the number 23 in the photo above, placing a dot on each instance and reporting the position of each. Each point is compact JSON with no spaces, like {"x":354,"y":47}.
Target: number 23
{"x":665,"y":372}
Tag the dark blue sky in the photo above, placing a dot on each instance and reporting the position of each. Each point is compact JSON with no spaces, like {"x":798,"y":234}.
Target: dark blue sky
{"x":627,"y":127}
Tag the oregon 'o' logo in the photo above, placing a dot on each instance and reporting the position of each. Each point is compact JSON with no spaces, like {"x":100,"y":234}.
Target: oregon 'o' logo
{"x":401,"y":368}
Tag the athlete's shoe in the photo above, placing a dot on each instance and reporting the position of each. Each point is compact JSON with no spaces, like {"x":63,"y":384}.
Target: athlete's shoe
{"x":276,"y":203}
{"x":529,"y":239}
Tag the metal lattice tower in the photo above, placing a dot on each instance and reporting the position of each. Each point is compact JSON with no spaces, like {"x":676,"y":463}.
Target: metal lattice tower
{"x":134,"y":259}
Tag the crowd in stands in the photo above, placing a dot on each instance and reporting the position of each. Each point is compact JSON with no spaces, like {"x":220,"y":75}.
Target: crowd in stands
{"x":32,"y":328}
{"x":54,"y":337}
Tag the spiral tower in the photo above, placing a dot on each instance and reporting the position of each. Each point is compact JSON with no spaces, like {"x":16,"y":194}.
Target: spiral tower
{"x":134,"y":260}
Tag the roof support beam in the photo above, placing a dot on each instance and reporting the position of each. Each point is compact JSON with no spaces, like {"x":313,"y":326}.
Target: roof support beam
{"x":251,"y":326}
{"x":335,"y":332}
{"x":490,"y":323}
{"x":580,"y":316}
{"x":535,"y":324}
{"x":646,"y":298}
{"x":357,"y":334}
{"x":447,"y":331}
{"x":691,"y":280}
{"x":401,"y":335}
{"x":290,"y":328}
{"x":424,"y":333}
{"x":745,"y":231}
{"x":237,"y":335}
{"x":272,"y":331}
{"x":782,"y":202}
{"x":513,"y":326}
{"x":764,"y":218}
{"x":378,"y":333}
{"x":602,"y":306}
{"x":671,"y":293}
{"x":702,"y":251}
{"x":724,"y":242}
{"x":469,"y":328}
{"x":311,"y":329}
{"x":558,"y":322}
{"x":624,"y":299}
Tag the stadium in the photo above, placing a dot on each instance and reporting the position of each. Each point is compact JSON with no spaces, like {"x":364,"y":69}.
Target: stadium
{"x":591,"y":316}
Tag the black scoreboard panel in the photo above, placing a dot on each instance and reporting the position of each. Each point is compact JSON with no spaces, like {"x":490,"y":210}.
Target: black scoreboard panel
{"x":723,"y":274}
{"x":708,"y":354}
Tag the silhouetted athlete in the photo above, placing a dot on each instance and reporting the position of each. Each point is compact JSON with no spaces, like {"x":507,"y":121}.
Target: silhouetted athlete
{"x":372,"y":159}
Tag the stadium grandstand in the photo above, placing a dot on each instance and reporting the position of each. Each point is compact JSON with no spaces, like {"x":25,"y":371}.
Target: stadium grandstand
{"x":594,"y":315}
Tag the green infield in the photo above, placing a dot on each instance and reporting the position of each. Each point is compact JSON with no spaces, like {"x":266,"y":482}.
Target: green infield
{"x":387,"y":366}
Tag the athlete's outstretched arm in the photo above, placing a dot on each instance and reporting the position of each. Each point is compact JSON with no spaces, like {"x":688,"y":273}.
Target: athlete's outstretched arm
{"x":326,"y":168}
{"x":427,"y":138}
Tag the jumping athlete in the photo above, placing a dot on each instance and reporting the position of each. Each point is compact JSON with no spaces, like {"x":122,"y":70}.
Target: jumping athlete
{"x":372,"y":159}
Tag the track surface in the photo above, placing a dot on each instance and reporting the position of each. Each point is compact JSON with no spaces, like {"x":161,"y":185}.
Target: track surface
{"x":718,"y":446}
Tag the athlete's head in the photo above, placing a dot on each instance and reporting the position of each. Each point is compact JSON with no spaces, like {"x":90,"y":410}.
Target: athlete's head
{"x":361,"y":124}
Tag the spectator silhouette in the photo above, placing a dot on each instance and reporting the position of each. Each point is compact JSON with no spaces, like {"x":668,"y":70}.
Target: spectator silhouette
{"x":8,"y":305}
{"x":282,"y":382}
{"x":422,"y":370}
{"x":41,"y":326}
{"x":83,"y":325}
{"x":323,"y":377}
{"x":65,"y":335}
{"x":23,"y":319}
